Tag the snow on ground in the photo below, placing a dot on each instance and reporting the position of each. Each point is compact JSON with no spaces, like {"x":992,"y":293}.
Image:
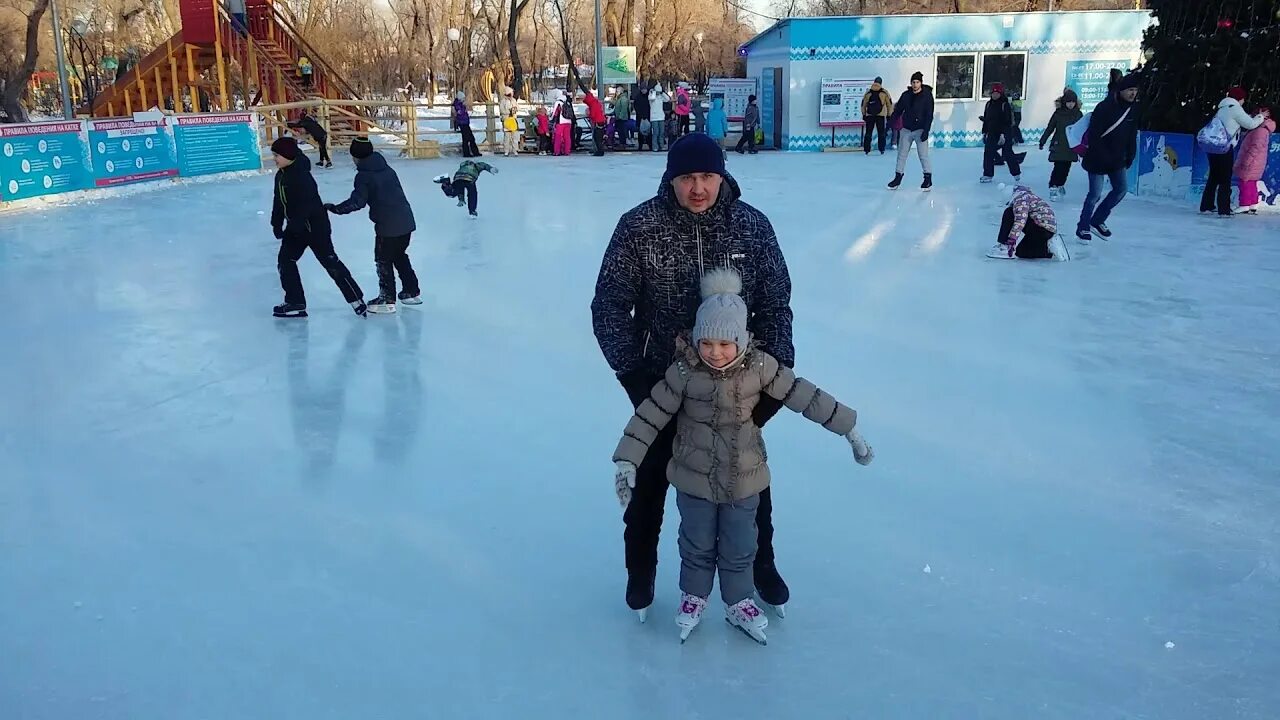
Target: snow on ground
{"x":209,"y":513}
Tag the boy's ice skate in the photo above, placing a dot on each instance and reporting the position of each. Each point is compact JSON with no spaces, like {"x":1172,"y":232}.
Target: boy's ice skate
{"x":691,"y":607}
{"x":382,"y":306}
{"x":748,"y":618}
{"x":289,"y":310}
{"x":408,"y":299}
{"x":360,"y":308}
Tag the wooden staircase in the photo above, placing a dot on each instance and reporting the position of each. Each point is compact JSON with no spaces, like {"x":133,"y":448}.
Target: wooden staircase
{"x":195,"y":69}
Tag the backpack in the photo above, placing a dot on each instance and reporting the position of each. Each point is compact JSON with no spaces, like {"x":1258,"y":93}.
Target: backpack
{"x":875,"y":105}
{"x":1214,"y":138}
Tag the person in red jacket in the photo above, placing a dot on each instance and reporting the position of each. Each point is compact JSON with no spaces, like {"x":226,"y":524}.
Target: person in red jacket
{"x":595,"y":113}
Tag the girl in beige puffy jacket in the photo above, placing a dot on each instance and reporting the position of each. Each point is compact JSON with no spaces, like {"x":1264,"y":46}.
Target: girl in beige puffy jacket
{"x":719,"y":464}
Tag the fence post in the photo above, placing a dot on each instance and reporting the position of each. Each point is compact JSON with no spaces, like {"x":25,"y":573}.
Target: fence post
{"x":324,"y":114}
{"x":490,"y":135}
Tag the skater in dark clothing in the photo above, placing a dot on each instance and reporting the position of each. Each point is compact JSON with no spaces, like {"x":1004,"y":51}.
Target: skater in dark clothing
{"x":1113,"y":146}
{"x":462,"y":120}
{"x":300,"y":221}
{"x":750,"y":120}
{"x":914,"y":110}
{"x":1060,"y":152}
{"x":378,"y":187}
{"x":317,"y":134}
{"x":877,"y":108}
{"x":463,"y":184}
{"x":997,"y":135}
{"x":696,"y":222}
{"x":640,"y":103}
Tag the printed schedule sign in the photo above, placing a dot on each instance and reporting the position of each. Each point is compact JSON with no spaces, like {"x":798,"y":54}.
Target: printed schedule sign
{"x":42,"y":159}
{"x":841,"y":102}
{"x":1089,"y":79}
{"x":127,"y":151}
{"x":210,"y":144}
{"x":734,"y":92}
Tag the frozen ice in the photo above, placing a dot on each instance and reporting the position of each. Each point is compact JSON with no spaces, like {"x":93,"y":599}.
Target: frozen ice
{"x":414,"y":515}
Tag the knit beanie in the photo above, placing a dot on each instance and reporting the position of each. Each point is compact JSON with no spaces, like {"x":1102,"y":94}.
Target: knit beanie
{"x":1237,"y":93}
{"x":694,"y":153}
{"x":1069,"y":95}
{"x":917,"y":75}
{"x":879,"y":80}
{"x":1127,"y":82}
{"x":361,"y":147}
{"x":286,"y":147}
{"x":722,"y":314}
{"x":998,"y":88}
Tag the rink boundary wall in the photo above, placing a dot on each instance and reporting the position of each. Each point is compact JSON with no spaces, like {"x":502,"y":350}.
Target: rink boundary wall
{"x":52,"y":158}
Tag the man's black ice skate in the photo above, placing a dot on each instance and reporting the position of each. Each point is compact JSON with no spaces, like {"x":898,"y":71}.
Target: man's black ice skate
{"x":360,"y":308}
{"x":382,"y":305}
{"x":408,"y":299}
{"x":771,"y":587}
{"x":289,"y":310}
{"x":897,"y":180}
{"x":640,"y":591}
{"x":1103,"y":230}
{"x":474,"y":214}
{"x":928,"y":182}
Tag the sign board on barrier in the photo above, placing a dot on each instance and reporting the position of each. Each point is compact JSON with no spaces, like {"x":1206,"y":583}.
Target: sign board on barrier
{"x":42,"y":159}
{"x":125,"y":151}
{"x":1089,"y":78}
{"x":619,"y":65}
{"x":734,"y":92}
{"x":840,"y":102}
{"x":217,"y":143}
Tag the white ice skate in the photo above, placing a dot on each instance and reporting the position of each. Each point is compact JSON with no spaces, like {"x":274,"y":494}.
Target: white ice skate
{"x":748,"y":618}
{"x":779,"y":610}
{"x":1000,"y":251}
{"x":985,"y":180}
{"x":691,"y":607}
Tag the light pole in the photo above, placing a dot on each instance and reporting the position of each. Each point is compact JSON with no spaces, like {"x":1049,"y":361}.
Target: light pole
{"x":62,"y":59}
{"x":599,"y":56}
{"x":702,"y":60}
{"x":455,"y":35}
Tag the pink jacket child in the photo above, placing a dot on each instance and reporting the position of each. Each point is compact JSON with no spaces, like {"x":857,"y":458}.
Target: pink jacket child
{"x":1028,"y":225}
{"x":1252,"y":162}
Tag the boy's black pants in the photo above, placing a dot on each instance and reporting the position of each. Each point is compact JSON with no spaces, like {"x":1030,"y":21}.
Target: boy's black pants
{"x":292,"y":247}
{"x":391,"y":256}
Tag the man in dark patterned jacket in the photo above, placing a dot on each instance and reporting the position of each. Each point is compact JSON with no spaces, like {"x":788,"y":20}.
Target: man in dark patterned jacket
{"x":647,"y":293}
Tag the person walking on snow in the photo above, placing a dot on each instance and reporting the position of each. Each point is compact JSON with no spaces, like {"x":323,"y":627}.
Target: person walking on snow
{"x":915,"y":110}
{"x":463,"y":184}
{"x":696,"y":222}
{"x":1113,"y":145}
{"x":877,"y":107}
{"x":640,"y":103}
{"x":684,"y":106}
{"x":299,"y":221}
{"x":718,"y":122}
{"x":1252,"y":161}
{"x":317,"y":134}
{"x":1027,"y":228}
{"x":563,"y":119}
{"x":1061,"y":155}
{"x":378,"y":187}
{"x":544,"y":131}
{"x":658,"y":118}
{"x":997,"y":135}
{"x":595,"y":114}
{"x":622,"y":114}
{"x":462,"y":119}
{"x":1233,"y":117}
{"x":719,"y":466}
{"x":750,"y":121}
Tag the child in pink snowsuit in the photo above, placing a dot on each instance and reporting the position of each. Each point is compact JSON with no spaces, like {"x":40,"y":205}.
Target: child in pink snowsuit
{"x":1252,"y":161}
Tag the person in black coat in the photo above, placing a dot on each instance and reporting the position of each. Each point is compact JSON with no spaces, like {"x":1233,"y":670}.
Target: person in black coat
{"x":317,"y":133}
{"x":1113,"y":145}
{"x":299,"y":221}
{"x":640,"y":104}
{"x":648,"y":292}
{"x":915,"y":107}
{"x":378,"y":187}
{"x":997,"y":135}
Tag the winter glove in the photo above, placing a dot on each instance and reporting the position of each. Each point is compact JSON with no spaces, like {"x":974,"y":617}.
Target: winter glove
{"x":278,"y":232}
{"x":638,"y":385}
{"x":493,"y":170}
{"x":624,"y":481}
{"x":862,"y":452}
{"x":765,"y":410}
{"x":330,"y":207}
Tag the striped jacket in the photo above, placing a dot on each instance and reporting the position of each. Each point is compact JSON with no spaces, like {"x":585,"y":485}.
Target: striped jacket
{"x":647,"y":291}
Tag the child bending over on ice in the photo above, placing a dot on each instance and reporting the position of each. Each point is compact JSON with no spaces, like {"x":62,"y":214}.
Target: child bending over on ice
{"x":463,"y":184}
{"x":1027,"y":228}
{"x":718,"y":466}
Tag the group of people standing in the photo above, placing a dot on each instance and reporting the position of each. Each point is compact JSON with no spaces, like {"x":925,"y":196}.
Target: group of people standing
{"x":1247,"y":165}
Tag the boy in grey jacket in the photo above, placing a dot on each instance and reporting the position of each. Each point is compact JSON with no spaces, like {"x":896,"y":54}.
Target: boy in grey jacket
{"x":719,"y":465}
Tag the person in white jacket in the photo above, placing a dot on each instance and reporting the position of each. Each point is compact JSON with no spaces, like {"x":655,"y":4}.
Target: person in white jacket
{"x":1233,"y":117}
{"x":658,"y":117}
{"x":564,"y":119}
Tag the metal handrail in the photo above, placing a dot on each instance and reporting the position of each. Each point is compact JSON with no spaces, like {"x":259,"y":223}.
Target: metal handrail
{"x":288,"y":20}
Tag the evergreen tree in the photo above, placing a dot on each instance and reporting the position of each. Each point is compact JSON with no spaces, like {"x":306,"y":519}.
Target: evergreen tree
{"x":1200,"y":49}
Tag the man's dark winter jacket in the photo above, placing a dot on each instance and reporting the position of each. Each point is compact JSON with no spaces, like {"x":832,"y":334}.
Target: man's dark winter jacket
{"x":648,"y":289}
{"x":640,"y":103}
{"x":997,"y":118}
{"x":751,"y":118}
{"x":1109,"y":152}
{"x":313,"y":128}
{"x":378,"y":186}
{"x":297,"y":200}
{"x":916,"y":110}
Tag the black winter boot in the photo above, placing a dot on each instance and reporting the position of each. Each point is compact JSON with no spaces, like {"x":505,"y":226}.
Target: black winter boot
{"x":640,"y":588}
{"x":769,"y":584}
{"x":897,"y":180}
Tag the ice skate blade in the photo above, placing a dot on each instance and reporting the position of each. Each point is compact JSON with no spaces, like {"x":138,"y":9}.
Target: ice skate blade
{"x":643,"y":614}
{"x":684,"y":633}
{"x":760,"y":639}
{"x":411,"y":301}
{"x":382,"y":309}
{"x":290,"y":316}
{"x":779,"y":610}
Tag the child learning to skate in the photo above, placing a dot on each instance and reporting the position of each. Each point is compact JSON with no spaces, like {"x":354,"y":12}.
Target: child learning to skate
{"x":463,"y":184}
{"x":719,"y":463}
{"x":1026,"y":228}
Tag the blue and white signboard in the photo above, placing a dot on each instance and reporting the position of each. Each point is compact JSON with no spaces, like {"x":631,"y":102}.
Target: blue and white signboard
{"x":219,"y":143}
{"x":42,"y":159}
{"x":1089,"y":78}
{"x":129,"y":151}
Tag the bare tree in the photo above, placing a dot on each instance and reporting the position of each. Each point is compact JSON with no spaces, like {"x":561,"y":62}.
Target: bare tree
{"x":14,"y":81}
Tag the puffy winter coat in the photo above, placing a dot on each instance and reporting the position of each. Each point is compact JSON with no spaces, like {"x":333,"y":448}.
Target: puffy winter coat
{"x":1026,"y":204}
{"x":564,"y":111}
{"x":656,"y":98}
{"x":622,"y":106}
{"x":1236,"y":119}
{"x":640,"y":105}
{"x":717,"y":120}
{"x":916,"y":110}
{"x":296,"y":206}
{"x":378,"y":187}
{"x":460,"y":113}
{"x":648,"y":289}
{"x":470,"y":170}
{"x":719,"y":453}
{"x":751,"y":118}
{"x":595,"y":110}
{"x":1251,"y":163}
{"x":683,"y":104}
{"x":1055,"y":135}
{"x":1115,"y":150}
{"x":869,"y":101}
{"x":997,"y":117}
